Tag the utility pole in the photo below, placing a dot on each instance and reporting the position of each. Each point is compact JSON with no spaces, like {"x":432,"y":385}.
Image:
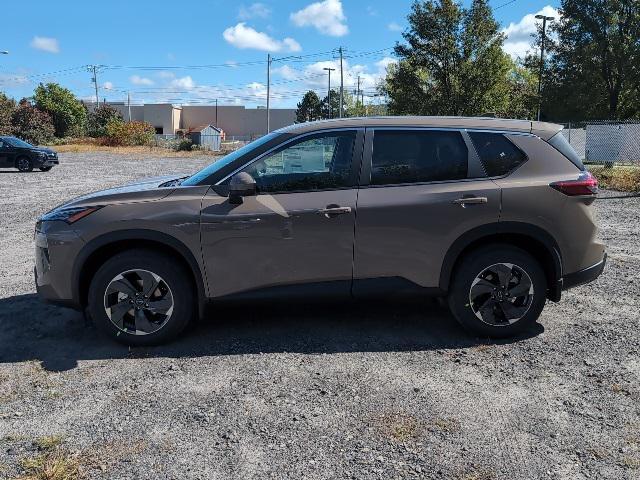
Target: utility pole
{"x":268,"y":89}
{"x":217,"y":113}
{"x":341,"y":84}
{"x":544,"y":38}
{"x":129,"y":105}
{"x":94,"y":79}
{"x":358,"y":92}
{"x":329,"y":91}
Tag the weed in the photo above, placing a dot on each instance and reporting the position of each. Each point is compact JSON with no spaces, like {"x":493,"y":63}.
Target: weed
{"x":48,"y":443}
{"x":55,"y":465}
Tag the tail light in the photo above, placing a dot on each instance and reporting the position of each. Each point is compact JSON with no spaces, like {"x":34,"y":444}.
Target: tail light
{"x":586,"y":184}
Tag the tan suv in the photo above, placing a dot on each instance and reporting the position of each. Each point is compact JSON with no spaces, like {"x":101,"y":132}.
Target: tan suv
{"x":496,"y":215}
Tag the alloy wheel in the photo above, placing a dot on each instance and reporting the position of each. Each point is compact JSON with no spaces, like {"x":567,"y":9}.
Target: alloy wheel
{"x":501,"y":294}
{"x":23,"y":164}
{"x":138,"y":302}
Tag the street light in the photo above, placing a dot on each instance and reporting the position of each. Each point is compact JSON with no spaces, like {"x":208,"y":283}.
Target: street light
{"x":4,"y":52}
{"x":329,"y":92}
{"x":544,"y":19}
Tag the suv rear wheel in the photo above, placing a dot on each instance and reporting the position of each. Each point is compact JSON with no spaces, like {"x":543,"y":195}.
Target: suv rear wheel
{"x":498,"y":291}
{"x":141,"y":297}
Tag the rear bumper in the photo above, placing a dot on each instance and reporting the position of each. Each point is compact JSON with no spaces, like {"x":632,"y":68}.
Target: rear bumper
{"x":586,"y":275}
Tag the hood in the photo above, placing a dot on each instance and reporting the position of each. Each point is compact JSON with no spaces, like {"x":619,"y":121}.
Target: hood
{"x":46,"y":150}
{"x":145,"y":190}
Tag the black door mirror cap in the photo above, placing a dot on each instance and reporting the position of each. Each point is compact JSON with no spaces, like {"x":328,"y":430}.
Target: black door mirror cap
{"x":241,"y":185}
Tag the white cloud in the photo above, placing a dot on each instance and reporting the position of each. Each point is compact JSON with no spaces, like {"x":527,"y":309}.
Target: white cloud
{"x":137,"y":80}
{"x":107,"y":85}
{"x":519,"y":38}
{"x":255,"y":10}
{"x":186,"y":83}
{"x":165,"y":74}
{"x":327,"y":17}
{"x":242,"y":36}
{"x":46,"y":44}
{"x":394,"y":27}
{"x":12,"y":80}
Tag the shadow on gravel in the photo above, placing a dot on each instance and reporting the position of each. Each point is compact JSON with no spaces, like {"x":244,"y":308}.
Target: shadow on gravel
{"x":59,"y":338}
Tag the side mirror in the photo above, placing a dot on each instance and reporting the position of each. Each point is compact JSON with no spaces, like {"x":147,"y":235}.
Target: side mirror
{"x":241,"y":185}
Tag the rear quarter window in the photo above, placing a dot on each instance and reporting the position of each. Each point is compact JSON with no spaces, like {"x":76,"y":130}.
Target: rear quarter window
{"x":497,"y":154}
{"x":560,"y":143}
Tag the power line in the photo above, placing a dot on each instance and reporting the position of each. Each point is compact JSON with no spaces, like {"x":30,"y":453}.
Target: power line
{"x":505,"y":4}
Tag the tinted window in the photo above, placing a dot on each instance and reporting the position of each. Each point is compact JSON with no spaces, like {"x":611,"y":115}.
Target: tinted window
{"x":315,"y":162}
{"x":498,"y":155}
{"x":417,"y":156}
{"x":560,"y":143}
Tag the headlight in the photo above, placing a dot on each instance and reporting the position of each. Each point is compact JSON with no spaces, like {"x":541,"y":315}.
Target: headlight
{"x":42,"y":154}
{"x":70,"y":214}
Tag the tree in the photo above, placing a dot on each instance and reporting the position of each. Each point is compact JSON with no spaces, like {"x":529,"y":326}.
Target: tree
{"x":333,"y":110}
{"x":452,"y":63}
{"x":68,"y":113}
{"x":594,"y":69}
{"x":98,"y":119}
{"x":309,"y":108}
{"x":7,"y":106}
{"x":31,"y":124}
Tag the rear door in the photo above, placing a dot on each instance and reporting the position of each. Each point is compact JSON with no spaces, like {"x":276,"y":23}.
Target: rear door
{"x":4,"y":153}
{"x":421,"y":189}
{"x":297,"y":232}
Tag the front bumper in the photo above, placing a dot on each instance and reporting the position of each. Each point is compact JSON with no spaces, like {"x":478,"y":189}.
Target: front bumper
{"x":586,"y":275}
{"x":55,"y":250}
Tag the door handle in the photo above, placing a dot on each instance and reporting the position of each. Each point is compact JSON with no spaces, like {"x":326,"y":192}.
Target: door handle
{"x":332,"y":211}
{"x":464,"y":201}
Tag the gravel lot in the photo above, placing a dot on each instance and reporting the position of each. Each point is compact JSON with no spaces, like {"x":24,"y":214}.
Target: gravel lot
{"x":324,"y":392}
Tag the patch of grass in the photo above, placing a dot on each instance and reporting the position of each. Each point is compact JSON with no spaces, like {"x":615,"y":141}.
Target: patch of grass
{"x":146,"y":151}
{"x":400,"y":427}
{"x":48,"y":443}
{"x":631,"y":462}
{"x":54,"y":465}
{"x":625,"y":179}
{"x":617,"y":388}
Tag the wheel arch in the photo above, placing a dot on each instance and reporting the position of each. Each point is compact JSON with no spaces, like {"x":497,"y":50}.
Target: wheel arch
{"x":100,"y":249}
{"x":531,"y":238}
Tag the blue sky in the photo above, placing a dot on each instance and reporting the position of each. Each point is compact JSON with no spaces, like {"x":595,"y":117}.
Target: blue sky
{"x":195,"y":52}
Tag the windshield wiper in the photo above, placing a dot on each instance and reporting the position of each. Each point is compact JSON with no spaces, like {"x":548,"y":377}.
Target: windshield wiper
{"x":173,"y":183}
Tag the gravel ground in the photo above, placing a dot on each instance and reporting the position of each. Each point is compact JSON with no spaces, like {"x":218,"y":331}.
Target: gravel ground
{"x":338,"y":391}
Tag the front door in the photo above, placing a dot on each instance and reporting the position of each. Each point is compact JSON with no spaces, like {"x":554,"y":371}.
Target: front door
{"x":421,"y":190}
{"x":297,"y":232}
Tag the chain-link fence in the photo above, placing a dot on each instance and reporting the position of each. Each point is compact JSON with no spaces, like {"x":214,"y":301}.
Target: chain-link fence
{"x":606,"y":142}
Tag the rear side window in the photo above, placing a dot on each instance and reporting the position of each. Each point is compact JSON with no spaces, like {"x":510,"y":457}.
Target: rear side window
{"x":413,"y":156}
{"x":560,"y":143}
{"x":497,"y":154}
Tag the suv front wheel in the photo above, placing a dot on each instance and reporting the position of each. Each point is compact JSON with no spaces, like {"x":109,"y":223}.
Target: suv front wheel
{"x":141,"y":297}
{"x":498,"y":291}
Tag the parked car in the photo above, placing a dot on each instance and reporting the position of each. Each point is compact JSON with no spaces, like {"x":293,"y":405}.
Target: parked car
{"x":16,"y":153}
{"x":495,"y":215}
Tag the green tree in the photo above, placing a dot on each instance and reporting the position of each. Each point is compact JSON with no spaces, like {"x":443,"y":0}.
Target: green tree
{"x":32,"y":124}
{"x":98,"y":119}
{"x":309,"y":108}
{"x":68,"y":113}
{"x":7,"y":107}
{"x":452,"y":63}
{"x":333,"y":110}
{"x":594,"y":67}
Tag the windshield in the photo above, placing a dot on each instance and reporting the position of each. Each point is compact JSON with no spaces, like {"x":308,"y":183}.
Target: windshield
{"x":16,"y":142}
{"x":227,"y":159}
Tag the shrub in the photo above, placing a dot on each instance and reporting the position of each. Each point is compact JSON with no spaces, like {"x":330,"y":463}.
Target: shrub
{"x":31,"y":124}
{"x":625,"y":179}
{"x":184,"y":145}
{"x":128,"y":133}
{"x":98,"y":119}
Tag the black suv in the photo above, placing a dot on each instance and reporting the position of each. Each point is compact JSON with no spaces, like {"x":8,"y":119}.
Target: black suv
{"x":16,"y":153}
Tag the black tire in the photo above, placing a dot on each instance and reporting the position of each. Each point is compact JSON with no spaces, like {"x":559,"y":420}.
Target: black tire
{"x":45,"y":169}
{"x":171,"y":272}
{"x":24,"y":164}
{"x":497,"y":324}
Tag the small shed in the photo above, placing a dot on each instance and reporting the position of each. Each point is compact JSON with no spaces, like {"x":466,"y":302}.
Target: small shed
{"x":207,"y":136}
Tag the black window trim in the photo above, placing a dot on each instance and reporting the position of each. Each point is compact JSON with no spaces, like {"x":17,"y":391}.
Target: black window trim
{"x":356,"y":160}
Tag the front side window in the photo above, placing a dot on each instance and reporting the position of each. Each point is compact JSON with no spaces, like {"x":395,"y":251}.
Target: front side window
{"x":498,"y":155}
{"x":16,"y":142}
{"x":413,"y":156}
{"x":317,"y":162}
